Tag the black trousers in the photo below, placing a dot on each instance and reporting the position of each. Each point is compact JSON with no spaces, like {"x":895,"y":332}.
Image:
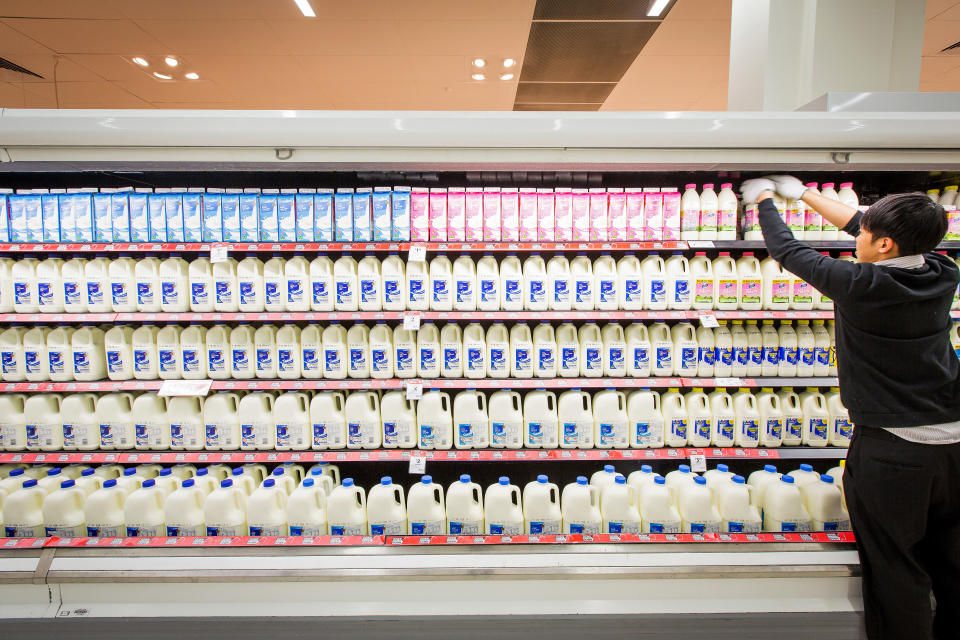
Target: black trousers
{"x":904,"y":502}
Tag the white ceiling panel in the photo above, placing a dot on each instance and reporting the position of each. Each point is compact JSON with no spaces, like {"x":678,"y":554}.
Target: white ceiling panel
{"x":89,"y":36}
{"x":241,"y":37}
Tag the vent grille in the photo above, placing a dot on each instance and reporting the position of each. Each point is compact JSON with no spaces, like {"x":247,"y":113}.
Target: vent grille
{"x":12,"y":66}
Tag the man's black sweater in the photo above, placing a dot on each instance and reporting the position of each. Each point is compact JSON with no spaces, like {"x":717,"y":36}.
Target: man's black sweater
{"x":895,"y":362}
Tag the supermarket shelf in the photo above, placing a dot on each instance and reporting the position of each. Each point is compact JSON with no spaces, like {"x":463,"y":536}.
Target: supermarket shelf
{"x":843,"y":537}
{"x":364,"y":316}
{"x":431,"y":383}
{"x":400,"y":455}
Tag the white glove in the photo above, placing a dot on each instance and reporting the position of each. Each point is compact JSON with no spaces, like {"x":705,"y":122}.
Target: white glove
{"x":751,"y":189}
{"x":789,"y":187}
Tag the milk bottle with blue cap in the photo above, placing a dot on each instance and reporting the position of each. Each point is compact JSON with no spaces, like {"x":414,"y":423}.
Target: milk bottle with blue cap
{"x":54,"y":476}
{"x":575,"y":411}
{"x":591,"y":350}
{"x":193,"y":352}
{"x":274,"y":284}
{"x":288,"y":352}
{"x":428,"y":351}
{"x":737,"y":512}
{"x":451,"y":351}
{"x":760,"y":480}
{"x":49,"y":286}
{"x":441,"y":284}
{"x":506,"y":420}
{"x":296,"y":290}
{"x":345,"y":285}
{"x":544,"y":351}
{"x":568,"y":351}
{"x":23,"y":512}
{"x":741,"y":350}
{"x":631,"y":283}
{"x":580,"y":507}
{"x":150,"y":422}
{"x":246,"y":478}
{"x":13,"y":433}
{"x":364,"y":427}
{"x":619,"y":507}
{"x":183,"y":510}
{"x":386,"y":509}
{"x":169,"y":363}
{"x":559,"y":283}
{"x":606,"y":281}
{"x":503,"y":509}
{"x":60,"y":353}
{"x":464,"y":284}
{"x":679,"y":282}
{"x":221,"y":421}
{"x":583,"y":286}
{"x":144,"y":343}
{"x":488,"y":284}
{"x":474,"y":351}
{"x":511,"y":284}
{"x":541,"y":507}
{"x":257,"y":430}
{"x":267,"y":510}
{"x":265,"y":351}
{"x":638,"y":350}
{"x":35,"y":359}
{"x":347,"y":510}
{"x":661,"y":346}
{"x":680,"y":478}
{"x":103,"y":511}
{"x":217,"y":348}
{"x":821,"y":349}
{"x":143,"y":511}
{"x":307,"y":510}
{"x":174,"y":285}
{"x":63,"y":511}
{"x":435,"y":421}
{"x":783,"y":509}
{"x":676,"y":420}
{"x":614,"y":350}
{"x":641,"y":479}
{"x":749,"y":420}
{"x":426,"y":514}
{"x":25,"y":294}
{"x":498,"y":351}
{"x":611,"y":422}
{"x":471,"y":420}
{"x":465,"y":513}
{"x":322,"y":289}
{"x":657,"y":511}
{"x":334,"y":340}
{"x":535,"y":284}
{"x":399,"y":421}
{"x":521,"y":351}
{"x":717,"y":476}
{"x":225,"y":511}
{"x":789,"y":353}
{"x":291,"y":413}
{"x":604,"y":477}
{"x":358,"y":351}
{"x":118,"y":343}
{"x":646,"y":419}
{"x":43,"y":423}
{"x":823,"y":501}
{"x":541,"y":424}
{"x":697,"y":511}
{"x":405,"y":353}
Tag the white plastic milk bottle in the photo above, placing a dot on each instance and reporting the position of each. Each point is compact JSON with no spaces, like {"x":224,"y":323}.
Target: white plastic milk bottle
{"x":428,"y":351}
{"x":143,"y":511}
{"x":619,"y":506}
{"x":840,"y":429}
{"x":823,"y":500}
{"x":631,"y":283}
{"x":405,"y":353}
{"x":747,"y":433}
{"x":257,"y":429}
{"x":347,"y":510}
{"x":474,"y":351}
{"x":700,"y":416}
{"x":364,"y":428}
{"x":783,"y":509}
{"x":89,"y":359}
{"x":81,"y":431}
{"x":535,"y":284}
{"x":614,"y":350}
{"x":369,"y":284}
{"x":183,"y":510}
{"x":580,"y":507}
{"x":334,"y":341}
{"x":727,"y":283}
{"x":151,"y":424}
{"x":661,"y":349}
{"x":685,"y":349}
{"x":307,"y":510}
{"x":695,"y":503}
{"x":426,"y":514}
{"x":503,"y":509}
{"x":464,"y":284}
{"x":221,"y":421}
{"x":676,"y":420}
{"x":386,"y":509}
{"x":657,"y":511}
{"x":568,"y":351}
{"x":559,"y":284}
{"x":771,"y":418}
{"x":541,"y":507}
{"x":498,"y":351}
{"x":470,"y":420}
{"x":186,"y":423}
{"x":679,"y":282}
{"x":42,"y":421}
{"x":346,"y":296}
{"x":606,"y":281}
{"x":638,"y":350}
{"x":451,"y":351}
{"x":506,"y":420}
{"x":816,"y":418}
{"x":23,"y":512}
{"x":435,"y":421}
{"x":511,"y":284}
{"x":611,"y":422}
{"x":399,"y":421}
{"x":322,"y":295}
{"x":656,"y":294}
{"x":737,"y":513}
{"x":792,"y":417}
{"x":544,"y":351}
{"x":225,"y":511}
{"x":393,"y":284}
{"x":488,"y":283}
{"x":441,"y":284}
{"x":591,"y":351}
{"x":646,"y":419}
{"x":583,"y":286}
{"x":291,"y":413}
{"x":575,"y":411}
{"x":63,"y":511}
{"x":465,"y":514}
{"x":541,"y":424}
{"x":702,"y":283}
{"x":267,"y":510}
{"x":103,"y":511}
{"x":328,"y":420}
{"x":358,"y":351}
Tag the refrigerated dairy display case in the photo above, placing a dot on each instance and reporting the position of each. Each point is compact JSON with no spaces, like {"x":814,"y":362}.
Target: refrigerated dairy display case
{"x":599,"y":575}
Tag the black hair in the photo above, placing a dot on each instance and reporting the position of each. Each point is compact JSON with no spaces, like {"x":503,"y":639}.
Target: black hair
{"x":915,"y":222}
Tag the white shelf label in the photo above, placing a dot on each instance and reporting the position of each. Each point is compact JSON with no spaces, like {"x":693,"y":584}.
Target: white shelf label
{"x":700,"y":244}
{"x":729,"y":382}
{"x":219,"y":253}
{"x":698,"y":463}
{"x":411,"y":321}
{"x":414,"y":390}
{"x":185,"y":387}
{"x":709,"y":321}
{"x":418,"y":464}
{"x":418,"y":253}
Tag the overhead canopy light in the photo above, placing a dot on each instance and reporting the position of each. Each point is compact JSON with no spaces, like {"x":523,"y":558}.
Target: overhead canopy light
{"x":305,"y":8}
{"x":479,"y":63}
{"x":509,"y":62}
{"x":657,"y":8}
{"x":478,"y":76}
{"x":506,"y":76}
{"x":192,"y":76}
{"x":162,"y":76}
{"x":171,"y":61}
{"x":140,"y":61}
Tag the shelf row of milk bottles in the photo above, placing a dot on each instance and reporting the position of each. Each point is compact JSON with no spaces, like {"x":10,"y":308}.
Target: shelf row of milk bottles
{"x":285,"y":503}
{"x":803,"y":221}
{"x":504,"y":419}
{"x":125,"y":284}
{"x":243,"y":352}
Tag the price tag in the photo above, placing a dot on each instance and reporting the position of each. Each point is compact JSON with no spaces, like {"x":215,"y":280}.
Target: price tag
{"x":418,"y":464}
{"x":414,"y":390}
{"x":728,"y":382}
{"x":218,"y":253}
{"x":185,"y":388}
{"x":709,"y":321}
{"x":698,"y":463}
{"x":418,"y":253}
{"x":700,"y":244}
{"x":411,"y":321}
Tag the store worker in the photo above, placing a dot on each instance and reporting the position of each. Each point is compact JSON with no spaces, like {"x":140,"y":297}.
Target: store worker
{"x":900,"y":381}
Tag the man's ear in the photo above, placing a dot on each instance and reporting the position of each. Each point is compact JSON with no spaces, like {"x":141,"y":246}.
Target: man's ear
{"x":887,"y":245}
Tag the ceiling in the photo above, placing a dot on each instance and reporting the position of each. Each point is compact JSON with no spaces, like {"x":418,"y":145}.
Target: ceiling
{"x":386,"y":54}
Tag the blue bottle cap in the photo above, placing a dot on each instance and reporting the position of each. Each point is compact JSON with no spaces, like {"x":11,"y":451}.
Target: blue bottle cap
{"x":582,"y":480}
{"x":186,"y":484}
{"x":827,"y":478}
{"x":66,"y":484}
{"x":348,"y":482}
{"x":806,"y":467}
{"x":645,"y":468}
{"x":86,"y":473}
{"x":684,"y":468}
{"x":609,"y":468}
{"x":148,"y":483}
{"x":238,"y":471}
{"x":31,"y":482}
{"x":504,"y":480}
{"x":308,"y":482}
{"x":54,"y":471}
{"x":659,"y":480}
{"x":129,"y":471}
{"x":787,"y":479}
{"x":202,"y":471}
{"x":426,"y":480}
{"x":386,"y":480}
{"x":269,"y":483}
{"x":738,"y":479}
{"x":112,"y":482}
{"x":769,"y":468}
{"x":16,"y":472}
{"x":465,"y":478}
{"x":226,"y":484}
{"x":542,"y":479}
{"x":278,"y":471}
{"x":620,"y":479}
{"x":165,"y":472}
{"x":700,"y":480}
{"x":316,"y":472}
{"x":722,"y":467}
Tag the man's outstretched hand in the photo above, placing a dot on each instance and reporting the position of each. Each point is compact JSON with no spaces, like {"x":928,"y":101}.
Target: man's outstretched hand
{"x":789,"y":187}
{"x":751,"y":189}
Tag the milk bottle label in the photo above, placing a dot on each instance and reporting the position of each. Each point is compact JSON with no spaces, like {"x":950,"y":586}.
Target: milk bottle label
{"x":802,"y":292}
{"x":616,"y":358}
{"x":167,"y":360}
{"x":664,"y":527}
{"x":465,"y":528}
{"x":608,"y":291}
{"x":41,"y":435}
{"x":663,"y":357}
{"x":71,"y":293}
{"x":727,"y":291}
{"x":775,"y":429}
{"x":750,"y":291}
{"x":212,"y":434}
{"x":106,"y":435}
{"x":806,"y":356}
{"x":404,"y":360}
{"x":451,"y":359}
{"x":512,"y":291}
{"x":357,"y":359}
{"x":707,"y":355}
{"x":198,"y":293}
{"x":396,"y":433}
{"x":76,"y":435}
{"x":56,"y":362}
{"x":612,"y":432}
{"x":425,"y":528}
{"x":441,"y":293}
{"x":417,"y":292}
{"x":792,"y":427}
{"x":740,"y":355}
{"x":538,"y":292}
{"x":320,"y":293}
{"x":701,"y":429}
{"x":822,"y":356}
{"x":9,"y":361}
{"x":114,"y":362}
{"x":319,"y":434}
{"x":724,"y":429}
{"x":81,"y":363}
{"x":427,"y":436}
{"x":703,"y":291}
{"x":522,"y":360}
{"x":582,"y":290}
{"x":378,"y":360}
{"x":561,"y":292}
{"x":843,"y":428}
{"x":546,"y":359}
{"x":742,"y":527}
{"x":818,"y":426}
{"x":428,"y":358}
{"x":118,"y":292}
{"x":337,"y":530}
{"x":725,"y":355}
{"x":294,"y":291}
{"x":688,"y":357}
{"x":271,"y":293}
{"x":704,"y":527}
{"x":571,"y":433}
{"x":498,"y":360}
{"x":191,"y":361}
{"x":173,"y":532}
{"x":94,"y":294}
{"x":144,"y":293}
{"x":474,"y":359}
{"x":780,"y":291}
{"x":391,"y":291}
{"x":464,"y":291}
{"x":535,"y":433}
{"x":632,"y":291}
{"x":240,"y":360}
{"x":568,"y":359}
{"x":678,"y":428}
{"x":623,"y":527}
{"x":310,"y":361}
{"x":546,"y":528}
{"x":772,"y":355}
{"x":168,"y":293}
{"x":488,"y":291}
{"x":641,"y":358}
{"x":504,"y":530}
{"x":215,"y":361}
{"x":264,"y":361}
{"x":21,"y":293}
{"x":104,"y":532}
{"x":354,"y":433}
{"x":755,"y":355}
{"x":468,"y":432}
{"x":45,"y":294}
{"x":32,"y":361}
{"x":344,"y":293}
{"x":751,"y":430}
{"x":387,"y":529}
{"x":789,"y":355}
{"x":504,"y":433}
{"x":145,"y":434}
{"x":285,"y":360}
{"x":211,"y":531}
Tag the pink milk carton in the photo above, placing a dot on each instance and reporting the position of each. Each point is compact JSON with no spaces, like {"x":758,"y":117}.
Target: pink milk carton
{"x":563,"y":214}
{"x":598,"y":215}
{"x":580,"y":215}
{"x":438,"y":215}
{"x":456,"y":216}
{"x":510,"y":215}
{"x":653,"y":212}
{"x":617,"y":215}
{"x":473,"y":212}
{"x":635,"y":216}
{"x":546,"y":223}
{"x":419,"y":214}
{"x":491,"y":214}
{"x":671,"y":213}
{"x":528,"y":215}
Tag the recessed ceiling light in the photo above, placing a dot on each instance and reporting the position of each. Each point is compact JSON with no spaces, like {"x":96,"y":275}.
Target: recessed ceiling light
{"x":479,"y":63}
{"x":478,"y":76}
{"x":305,"y":8}
{"x":509,"y":62}
{"x":192,"y":76}
{"x":162,"y":76}
{"x":140,"y":61}
{"x":506,"y":76}
{"x":171,"y":61}
{"x":657,"y":8}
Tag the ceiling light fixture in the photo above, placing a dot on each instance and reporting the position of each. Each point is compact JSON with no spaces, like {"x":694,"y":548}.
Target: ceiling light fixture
{"x":509,"y":62}
{"x":506,"y":76}
{"x":171,"y":61}
{"x":478,"y":76}
{"x":140,"y":61}
{"x":162,"y":76}
{"x":192,"y":76}
{"x":479,"y":63}
{"x":305,"y":8}
{"x":657,"y":8}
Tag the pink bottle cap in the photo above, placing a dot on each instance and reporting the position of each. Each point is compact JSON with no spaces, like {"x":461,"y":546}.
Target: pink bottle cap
{"x":748,"y":253}
{"x":846,"y":253}
{"x":846,"y":185}
{"x":812,"y":185}
{"x":828,"y":185}
{"x":690,"y":186}
{"x":702,"y":253}
{"x":708,"y":186}
{"x":725,"y":254}
{"x":726,"y":185}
